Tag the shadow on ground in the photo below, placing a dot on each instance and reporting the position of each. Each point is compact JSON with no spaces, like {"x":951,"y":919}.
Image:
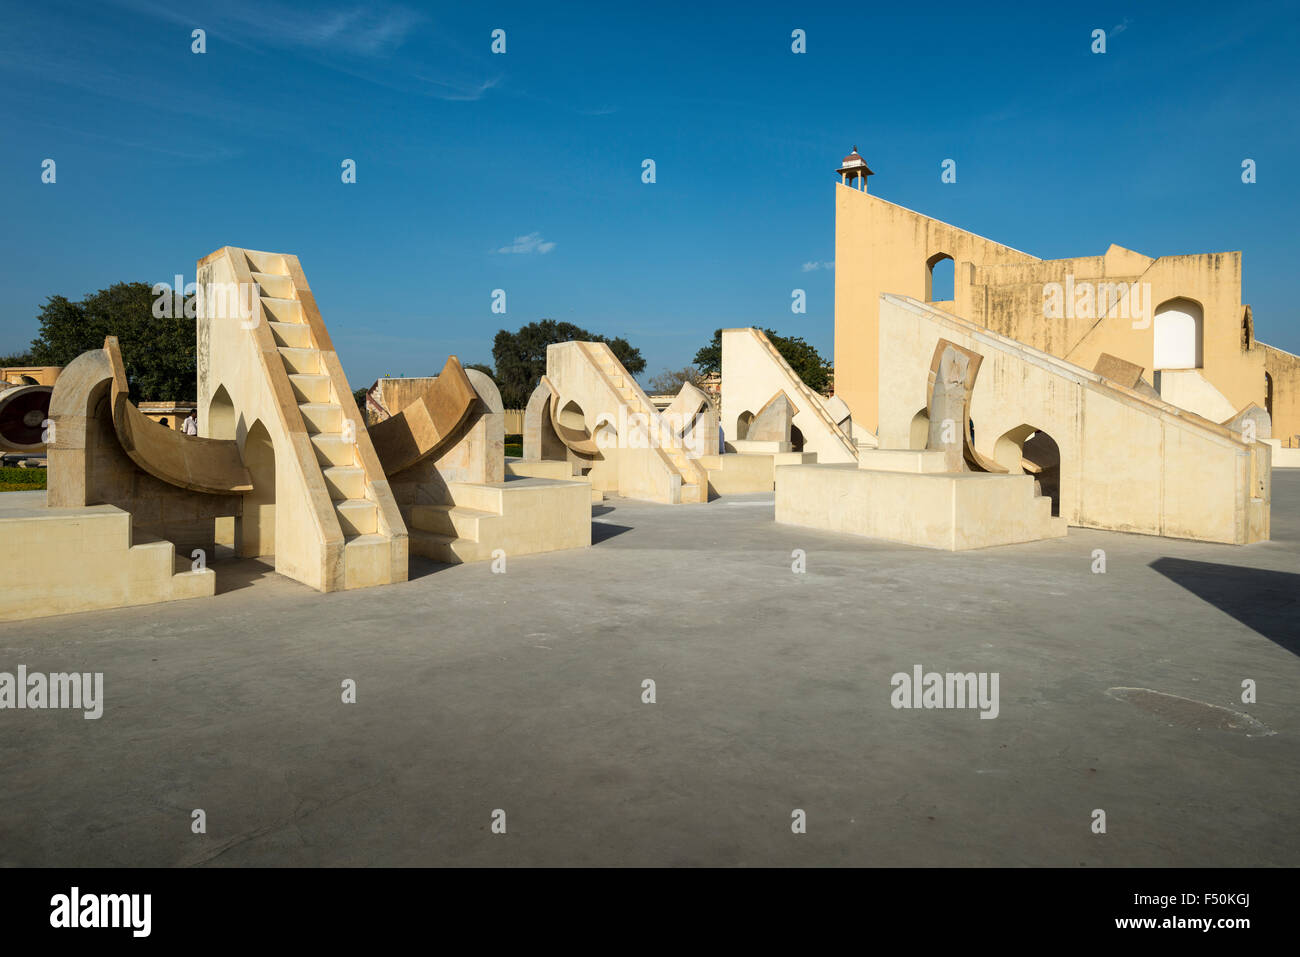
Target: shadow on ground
{"x":604,"y":531}
{"x":236,"y":573}
{"x":1265,"y":600}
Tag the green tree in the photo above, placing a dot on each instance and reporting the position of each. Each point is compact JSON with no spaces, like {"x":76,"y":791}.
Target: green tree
{"x":157,"y":352}
{"x":483,"y":368}
{"x":709,"y":359}
{"x":520,"y":357}
{"x":17,"y":359}
{"x":804,"y":359}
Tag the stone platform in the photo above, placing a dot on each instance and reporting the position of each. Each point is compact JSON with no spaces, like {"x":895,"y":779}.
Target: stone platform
{"x":954,"y":511}
{"x":59,"y":560}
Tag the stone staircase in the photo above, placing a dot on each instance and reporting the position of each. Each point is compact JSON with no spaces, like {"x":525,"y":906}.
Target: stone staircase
{"x":331,"y":433}
{"x":518,"y":516}
{"x":694,"y":477}
{"x":461,"y":532}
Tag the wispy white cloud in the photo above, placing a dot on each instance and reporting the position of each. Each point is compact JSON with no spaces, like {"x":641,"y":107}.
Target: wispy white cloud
{"x":358,"y":29}
{"x":814,"y":266}
{"x":532,"y":243}
{"x":463,"y":90}
{"x":362,"y":40}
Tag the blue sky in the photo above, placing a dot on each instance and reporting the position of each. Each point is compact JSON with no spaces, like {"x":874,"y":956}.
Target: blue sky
{"x":164,"y":155}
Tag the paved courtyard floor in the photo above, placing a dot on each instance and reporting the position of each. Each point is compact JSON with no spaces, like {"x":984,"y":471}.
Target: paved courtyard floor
{"x":523,"y":692}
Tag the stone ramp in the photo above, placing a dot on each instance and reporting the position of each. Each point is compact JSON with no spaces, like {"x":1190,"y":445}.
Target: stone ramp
{"x":1189,"y":389}
{"x":755,"y":373}
{"x":589,"y":411}
{"x":694,"y":478}
{"x":1126,"y":461}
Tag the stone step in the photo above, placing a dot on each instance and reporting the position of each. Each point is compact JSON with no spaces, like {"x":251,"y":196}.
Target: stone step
{"x":301,"y":361}
{"x":445,"y":548}
{"x":333,"y":449}
{"x":357,"y":516}
{"x":266,"y":263}
{"x":322,"y":416}
{"x":683,"y":466}
{"x":367,"y":560}
{"x":183,"y":564}
{"x":310,"y":387}
{"x":274,"y":285}
{"x":345,"y":481}
{"x":154,"y":559}
{"x":547,"y":469}
{"x":296,"y":335}
{"x":485,"y":498}
{"x":694,"y":493}
{"x":192,"y":584}
{"x":455,"y":520}
{"x":281,"y":310}
{"x":186,"y":582}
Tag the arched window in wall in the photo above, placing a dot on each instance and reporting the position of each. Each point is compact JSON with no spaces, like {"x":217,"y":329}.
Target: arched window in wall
{"x":1178,"y":329}
{"x":939,"y":270}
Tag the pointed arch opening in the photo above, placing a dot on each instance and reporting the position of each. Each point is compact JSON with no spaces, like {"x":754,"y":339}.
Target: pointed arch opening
{"x":256,"y":527}
{"x":221,"y":415}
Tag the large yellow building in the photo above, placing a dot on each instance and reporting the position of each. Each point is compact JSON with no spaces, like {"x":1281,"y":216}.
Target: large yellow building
{"x":1179,"y":317}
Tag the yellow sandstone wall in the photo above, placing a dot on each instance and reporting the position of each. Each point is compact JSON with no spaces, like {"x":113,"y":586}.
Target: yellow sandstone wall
{"x":881,"y":247}
{"x":1284,"y":369}
{"x":885,"y":248}
{"x":1009,"y":300}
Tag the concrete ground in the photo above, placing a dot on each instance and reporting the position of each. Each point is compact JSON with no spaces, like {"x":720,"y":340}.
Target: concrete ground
{"x":522,"y":692}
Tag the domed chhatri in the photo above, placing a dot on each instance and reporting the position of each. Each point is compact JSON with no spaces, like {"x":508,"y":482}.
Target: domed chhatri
{"x":854,"y":171}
